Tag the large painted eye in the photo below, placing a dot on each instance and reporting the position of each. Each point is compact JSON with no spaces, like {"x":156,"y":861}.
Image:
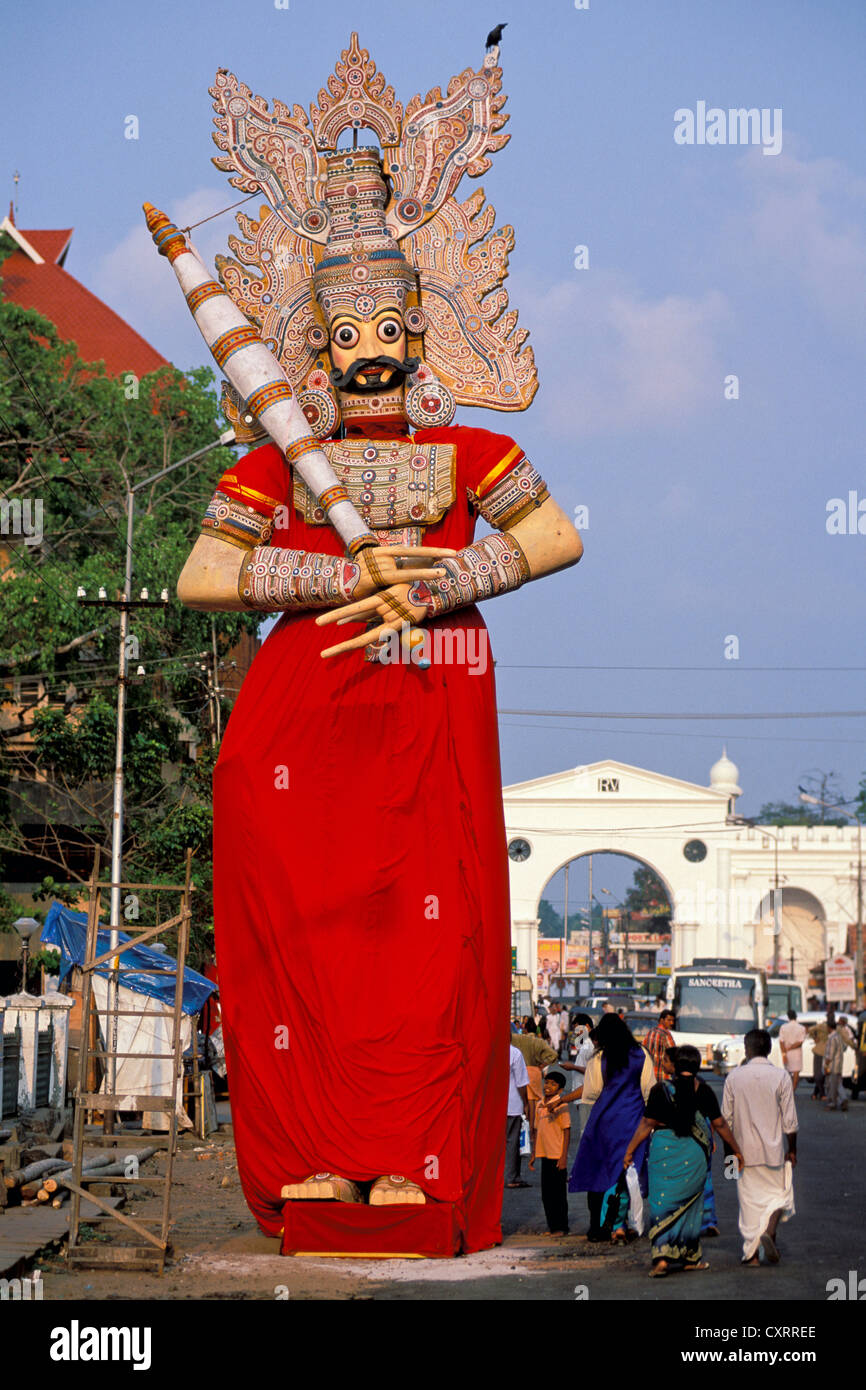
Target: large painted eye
{"x":346,"y":336}
{"x":389,"y":330}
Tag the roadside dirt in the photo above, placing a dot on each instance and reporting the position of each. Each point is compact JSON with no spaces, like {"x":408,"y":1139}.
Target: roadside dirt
{"x":219,"y":1253}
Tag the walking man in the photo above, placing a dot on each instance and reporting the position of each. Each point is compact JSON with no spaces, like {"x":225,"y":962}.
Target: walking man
{"x":758,"y":1105}
{"x":658,"y":1040}
{"x":518,"y":1106}
{"x":791,"y":1037}
{"x":555,"y":1020}
{"x":819,"y":1035}
{"x":858,"y":1080}
{"x":834,"y":1056}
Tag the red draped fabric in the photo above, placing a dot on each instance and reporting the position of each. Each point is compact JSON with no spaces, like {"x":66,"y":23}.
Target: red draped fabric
{"x":361,"y":898}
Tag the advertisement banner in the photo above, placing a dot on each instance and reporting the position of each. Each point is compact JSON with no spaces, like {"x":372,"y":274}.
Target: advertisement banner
{"x":558,"y":957}
{"x":839,"y":982}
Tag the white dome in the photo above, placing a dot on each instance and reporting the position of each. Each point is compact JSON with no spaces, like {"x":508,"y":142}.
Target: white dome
{"x":724,"y":776}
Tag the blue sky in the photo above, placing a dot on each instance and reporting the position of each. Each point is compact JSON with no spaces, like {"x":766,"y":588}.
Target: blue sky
{"x":707,"y":517}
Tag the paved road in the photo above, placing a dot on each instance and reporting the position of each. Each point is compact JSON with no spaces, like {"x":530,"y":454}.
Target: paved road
{"x":825,"y":1240}
{"x":220,"y":1255}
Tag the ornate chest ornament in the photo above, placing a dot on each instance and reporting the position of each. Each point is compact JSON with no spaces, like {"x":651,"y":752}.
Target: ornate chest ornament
{"x":393,"y":483}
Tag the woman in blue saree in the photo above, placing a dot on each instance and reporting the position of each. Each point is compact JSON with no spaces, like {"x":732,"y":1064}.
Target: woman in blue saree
{"x":618,"y":1079}
{"x":680,"y":1116}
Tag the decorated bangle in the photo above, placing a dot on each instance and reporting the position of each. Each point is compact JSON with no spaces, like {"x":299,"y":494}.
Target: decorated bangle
{"x":493,"y":565}
{"x":236,"y":522}
{"x":513,"y":497}
{"x":273,"y":579}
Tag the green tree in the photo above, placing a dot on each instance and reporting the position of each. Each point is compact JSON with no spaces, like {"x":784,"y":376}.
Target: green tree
{"x":647,"y":893}
{"x":787,"y":813}
{"x":827,"y":789}
{"x":73,"y":439}
{"x":549,"y":920}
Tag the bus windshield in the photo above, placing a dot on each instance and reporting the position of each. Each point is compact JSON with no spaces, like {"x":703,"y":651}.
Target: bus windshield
{"x":715,"y":1003}
{"x":783,"y":996}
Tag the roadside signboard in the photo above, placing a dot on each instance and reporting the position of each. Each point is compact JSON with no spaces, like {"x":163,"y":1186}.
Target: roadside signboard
{"x":839,"y":983}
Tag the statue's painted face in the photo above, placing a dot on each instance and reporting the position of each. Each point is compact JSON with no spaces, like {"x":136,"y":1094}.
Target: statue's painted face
{"x":369,"y":352}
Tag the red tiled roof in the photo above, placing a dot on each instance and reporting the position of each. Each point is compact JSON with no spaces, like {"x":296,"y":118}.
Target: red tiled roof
{"x":100,"y":334}
{"x":50,"y":245}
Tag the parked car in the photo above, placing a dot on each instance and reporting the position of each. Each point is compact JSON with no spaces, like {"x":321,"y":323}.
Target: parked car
{"x":594,"y":1003}
{"x":729,"y":1052}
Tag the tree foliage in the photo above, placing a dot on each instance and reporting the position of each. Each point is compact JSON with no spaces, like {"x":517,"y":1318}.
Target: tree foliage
{"x":647,"y":893}
{"x":74,"y":440}
{"x":826,"y":788}
{"x":792,"y":813}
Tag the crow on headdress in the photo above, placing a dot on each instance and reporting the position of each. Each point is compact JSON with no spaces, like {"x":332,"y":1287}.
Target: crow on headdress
{"x":495,"y":35}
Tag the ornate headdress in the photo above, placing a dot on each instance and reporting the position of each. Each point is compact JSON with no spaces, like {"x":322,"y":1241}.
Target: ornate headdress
{"x":351,"y":228}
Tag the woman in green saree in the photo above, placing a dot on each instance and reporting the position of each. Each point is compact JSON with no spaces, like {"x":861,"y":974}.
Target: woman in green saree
{"x":680,"y":1115}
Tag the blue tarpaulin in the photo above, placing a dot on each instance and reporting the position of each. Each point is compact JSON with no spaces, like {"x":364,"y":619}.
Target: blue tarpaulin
{"x":67,"y":930}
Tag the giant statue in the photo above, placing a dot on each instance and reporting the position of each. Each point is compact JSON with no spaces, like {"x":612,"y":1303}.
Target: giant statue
{"x":360,"y":872}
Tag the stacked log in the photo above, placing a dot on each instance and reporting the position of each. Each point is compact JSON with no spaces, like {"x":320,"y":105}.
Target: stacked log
{"x":105,"y":1166}
{"x":45,"y":1180}
{"x":20,"y":1176}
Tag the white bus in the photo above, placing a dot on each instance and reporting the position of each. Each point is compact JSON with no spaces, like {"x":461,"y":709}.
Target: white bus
{"x":716,"y":998}
{"x":784,"y":994}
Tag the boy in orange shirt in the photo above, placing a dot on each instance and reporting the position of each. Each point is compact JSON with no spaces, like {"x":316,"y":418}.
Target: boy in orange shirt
{"x":551,"y":1146}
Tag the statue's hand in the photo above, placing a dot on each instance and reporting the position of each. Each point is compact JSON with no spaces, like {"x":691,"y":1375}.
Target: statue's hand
{"x":380,"y":567}
{"x":387,"y":611}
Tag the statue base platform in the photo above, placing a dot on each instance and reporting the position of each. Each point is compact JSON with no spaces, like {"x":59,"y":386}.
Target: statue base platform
{"x":359,"y":1231}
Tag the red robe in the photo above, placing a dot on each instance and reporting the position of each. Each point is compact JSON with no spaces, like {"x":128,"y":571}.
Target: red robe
{"x":361,"y":911}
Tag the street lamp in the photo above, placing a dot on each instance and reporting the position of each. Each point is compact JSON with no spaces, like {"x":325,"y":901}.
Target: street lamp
{"x":124,"y":605}
{"x":25,"y":927}
{"x":858,"y":944}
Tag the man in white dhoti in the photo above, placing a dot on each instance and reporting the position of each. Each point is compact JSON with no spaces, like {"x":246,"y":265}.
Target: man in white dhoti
{"x":758,"y":1105}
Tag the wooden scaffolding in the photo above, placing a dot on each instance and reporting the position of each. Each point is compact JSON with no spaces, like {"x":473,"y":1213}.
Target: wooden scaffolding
{"x":149,"y":1241}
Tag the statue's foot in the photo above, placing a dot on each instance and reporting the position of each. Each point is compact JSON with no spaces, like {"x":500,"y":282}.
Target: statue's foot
{"x":322,"y":1187}
{"x":396,"y":1191}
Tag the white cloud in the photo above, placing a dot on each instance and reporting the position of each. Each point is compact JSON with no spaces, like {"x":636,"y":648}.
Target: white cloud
{"x":612,"y":360}
{"x":807,"y":223}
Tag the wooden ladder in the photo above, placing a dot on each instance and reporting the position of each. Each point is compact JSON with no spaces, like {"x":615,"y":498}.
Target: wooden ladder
{"x":148,"y":1252}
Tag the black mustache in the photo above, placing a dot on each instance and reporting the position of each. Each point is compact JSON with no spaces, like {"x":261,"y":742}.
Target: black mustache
{"x":345,"y":381}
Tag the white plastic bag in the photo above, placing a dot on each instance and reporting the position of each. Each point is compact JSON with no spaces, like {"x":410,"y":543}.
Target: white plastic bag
{"x":525,"y":1140}
{"x":635,"y":1200}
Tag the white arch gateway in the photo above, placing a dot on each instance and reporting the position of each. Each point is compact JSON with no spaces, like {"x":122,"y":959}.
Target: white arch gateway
{"x":719,"y":875}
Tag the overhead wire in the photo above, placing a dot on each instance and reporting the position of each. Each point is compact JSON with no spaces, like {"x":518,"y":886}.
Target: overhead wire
{"x":89,"y":667}
{"x":686,"y":714}
{"x":681,"y":734}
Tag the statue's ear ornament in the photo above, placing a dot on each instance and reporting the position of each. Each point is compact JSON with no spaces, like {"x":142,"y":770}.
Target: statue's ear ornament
{"x":245,"y":425}
{"x":320,"y":404}
{"x":428,"y":403}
